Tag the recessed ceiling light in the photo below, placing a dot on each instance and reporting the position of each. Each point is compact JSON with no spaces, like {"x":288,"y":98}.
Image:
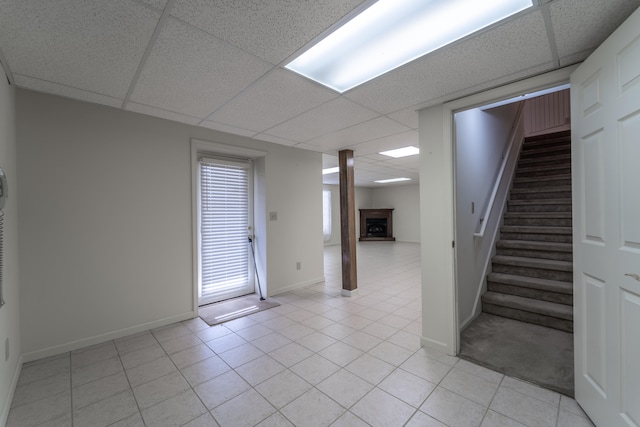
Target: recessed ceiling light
{"x":391,"y":33}
{"x":330,"y":170}
{"x":385,"y":181}
{"x":401,"y":152}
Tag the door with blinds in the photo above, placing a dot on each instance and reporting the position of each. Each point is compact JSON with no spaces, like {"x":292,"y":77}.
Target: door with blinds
{"x":224,"y":221}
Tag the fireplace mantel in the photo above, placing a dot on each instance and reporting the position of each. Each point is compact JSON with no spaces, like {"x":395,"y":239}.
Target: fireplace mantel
{"x":376,"y":224}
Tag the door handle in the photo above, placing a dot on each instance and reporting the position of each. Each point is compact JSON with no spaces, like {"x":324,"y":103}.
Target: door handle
{"x":633,"y":276}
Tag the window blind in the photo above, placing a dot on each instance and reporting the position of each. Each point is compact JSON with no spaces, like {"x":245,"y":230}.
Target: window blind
{"x":224,"y":222}
{"x":326,"y":214}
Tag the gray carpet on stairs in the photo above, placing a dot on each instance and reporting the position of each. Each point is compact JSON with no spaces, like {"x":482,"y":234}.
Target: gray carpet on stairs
{"x":533,"y":353}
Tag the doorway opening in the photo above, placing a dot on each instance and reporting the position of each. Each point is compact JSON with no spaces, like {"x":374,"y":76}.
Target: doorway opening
{"x":513,"y":225}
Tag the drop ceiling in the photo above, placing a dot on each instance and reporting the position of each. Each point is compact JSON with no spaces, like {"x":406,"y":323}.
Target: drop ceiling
{"x":219,"y":64}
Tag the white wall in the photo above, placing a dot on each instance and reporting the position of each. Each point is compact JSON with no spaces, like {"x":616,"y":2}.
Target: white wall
{"x":482,"y":139}
{"x":405,"y":201}
{"x":106,"y":220}
{"x":294,"y":191}
{"x":547,"y":113}
{"x":10,"y":312}
{"x":437,"y":230}
{"x":363,"y":200}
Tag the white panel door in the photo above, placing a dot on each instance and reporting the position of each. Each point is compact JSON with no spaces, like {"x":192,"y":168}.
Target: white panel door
{"x":605,"y":110}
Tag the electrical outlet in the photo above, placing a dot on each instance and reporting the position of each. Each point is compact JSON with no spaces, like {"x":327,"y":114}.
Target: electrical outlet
{"x":298,"y":265}
{"x":6,"y":350}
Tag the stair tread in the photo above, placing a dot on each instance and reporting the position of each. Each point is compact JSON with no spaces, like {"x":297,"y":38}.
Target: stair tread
{"x":544,"y":215}
{"x":552,"y":135}
{"x":548,"y":308}
{"x":554,"y":189}
{"x":545,"y":158}
{"x":563,"y":201}
{"x":543,"y":168}
{"x":532,"y":282}
{"x":533,"y":150}
{"x":541,"y":263}
{"x":536,"y":245}
{"x":542,"y":178}
{"x":536,"y":229}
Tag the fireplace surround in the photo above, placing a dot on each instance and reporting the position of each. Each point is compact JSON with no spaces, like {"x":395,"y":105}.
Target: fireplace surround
{"x":376,"y":224}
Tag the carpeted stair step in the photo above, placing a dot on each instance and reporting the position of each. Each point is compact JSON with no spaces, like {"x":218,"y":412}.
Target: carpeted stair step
{"x":528,"y":146}
{"x":545,"y":313}
{"x":543,"y":181}
{"x":531,"y":287}
{"x":559,"y":159}
{"x":546,"y":170}
{"x":535,"y":249}
{"x":543,"y":151}
{"x":550,"y":205}
{"x":550,"y":219}
{"x":533,"y":267}
{"x":530,"y":193}
{"x":554,"y":137}
{"x":537,"y":233}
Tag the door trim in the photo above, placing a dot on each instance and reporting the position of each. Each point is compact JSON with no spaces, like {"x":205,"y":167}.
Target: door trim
{"x":199,"y":148}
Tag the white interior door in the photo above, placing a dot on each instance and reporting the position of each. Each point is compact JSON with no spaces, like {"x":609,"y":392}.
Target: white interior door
{"x":224,"y":221}
{"x":605,"y":104}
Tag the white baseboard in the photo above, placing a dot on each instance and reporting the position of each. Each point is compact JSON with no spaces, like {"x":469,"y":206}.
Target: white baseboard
{"x":435,"y":345}
{"x":6,"y":407}
{"x":294,"y":286}
{"x":85,"y":342}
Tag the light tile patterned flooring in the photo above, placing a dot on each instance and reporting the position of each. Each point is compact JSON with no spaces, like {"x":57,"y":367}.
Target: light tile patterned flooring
{"x":319,"y":359}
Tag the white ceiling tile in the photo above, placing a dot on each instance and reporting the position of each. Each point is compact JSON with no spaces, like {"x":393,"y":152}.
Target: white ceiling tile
{"x":372,"y":158}
{"x":332,"y":116}
{"x":408,"y":117}
{"x":275,"y":140}
{"x":376,"y":128}
{"x":164,"y":114}
{"x":92,"y":45}
{"x":69,"y":92}
{"x":579,"y":25}
{"x":511,"y":47}
{"x":193,"y":72}
{"x":575,"y":58}
{"x":309,"y":147}
{"x":160,"y":4}
{"x":226,"y":128}
{"x":269,"y":29}
{"x":272,"y":100}
{"x":390,"y":142}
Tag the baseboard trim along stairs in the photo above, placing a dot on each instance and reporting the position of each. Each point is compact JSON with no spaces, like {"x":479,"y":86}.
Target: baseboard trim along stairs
{"x":532,"y":270}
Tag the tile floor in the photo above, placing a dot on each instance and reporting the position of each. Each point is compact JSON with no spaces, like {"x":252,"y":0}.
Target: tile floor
{"x":318,"y":359}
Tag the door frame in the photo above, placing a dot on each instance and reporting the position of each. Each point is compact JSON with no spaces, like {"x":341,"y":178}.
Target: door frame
{"x":199,"y":148}
{"x":440,"y":326}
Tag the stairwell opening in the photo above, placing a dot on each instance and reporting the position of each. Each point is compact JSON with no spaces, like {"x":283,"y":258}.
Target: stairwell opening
{"x":514,"y":251}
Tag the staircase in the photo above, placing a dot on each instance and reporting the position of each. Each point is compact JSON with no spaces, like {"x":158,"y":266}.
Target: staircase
{"x":532,"y":271}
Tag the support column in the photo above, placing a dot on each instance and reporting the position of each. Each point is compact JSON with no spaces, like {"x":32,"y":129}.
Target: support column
{"x":347,"y":223}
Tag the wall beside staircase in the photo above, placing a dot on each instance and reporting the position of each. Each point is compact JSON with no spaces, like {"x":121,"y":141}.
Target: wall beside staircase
{"x":482,"y":139}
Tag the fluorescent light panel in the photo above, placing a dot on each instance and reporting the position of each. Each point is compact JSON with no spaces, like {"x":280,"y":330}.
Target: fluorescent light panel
{"x":330,"y":170}
{"x":386,"y":181}
{"x":391,"y":33}
{"x":401,"y":152}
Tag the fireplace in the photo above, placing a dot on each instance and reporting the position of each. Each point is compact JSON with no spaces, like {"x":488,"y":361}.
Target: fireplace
{"x":376,"y":224}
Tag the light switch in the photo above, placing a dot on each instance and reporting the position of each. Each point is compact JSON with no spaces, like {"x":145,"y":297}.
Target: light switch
{"x":273,"y":216}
